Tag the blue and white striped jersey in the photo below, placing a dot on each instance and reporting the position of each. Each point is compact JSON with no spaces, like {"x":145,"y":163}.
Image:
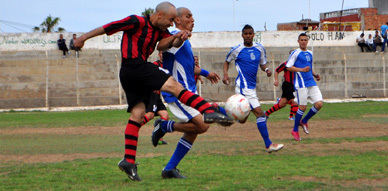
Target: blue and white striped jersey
{"x":247,"y":60}
{"x":180,"y":63}
{"x":301,"y":59}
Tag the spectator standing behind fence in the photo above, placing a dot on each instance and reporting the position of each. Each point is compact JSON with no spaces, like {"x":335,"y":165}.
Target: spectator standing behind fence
{"x":369,"y":42}
{"x":72,"y":45}
{"x":62,"y":45}
{"x":361,"y":42}
{"x":384,"y":29}
{"x":377,"y":41}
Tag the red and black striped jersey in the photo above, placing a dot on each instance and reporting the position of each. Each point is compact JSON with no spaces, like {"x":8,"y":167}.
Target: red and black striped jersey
{"x":288,"y":75}
{"x":158,"y":63}
{"x":139,"y":36}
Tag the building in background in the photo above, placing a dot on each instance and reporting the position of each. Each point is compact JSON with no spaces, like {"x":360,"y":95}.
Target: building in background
{"x":357,"y":19}
{"x":300,"y":25}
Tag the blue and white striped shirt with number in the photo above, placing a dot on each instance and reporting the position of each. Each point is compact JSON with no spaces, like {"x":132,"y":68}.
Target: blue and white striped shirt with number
{"x":247,"y":60}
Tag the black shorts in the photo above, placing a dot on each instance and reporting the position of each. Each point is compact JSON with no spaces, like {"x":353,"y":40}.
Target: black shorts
{"x":139,"y":80}
{"x":155,"y":104}
{"x":288,"y":90}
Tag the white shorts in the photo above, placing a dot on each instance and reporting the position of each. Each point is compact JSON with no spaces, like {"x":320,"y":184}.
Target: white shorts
{"x":310,"y":94}
{"x":250,"y":94}
{"x":181,"y":111}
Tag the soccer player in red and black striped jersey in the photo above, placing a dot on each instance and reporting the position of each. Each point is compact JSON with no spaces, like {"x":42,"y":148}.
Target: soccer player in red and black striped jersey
{"x":140,"y":78}
{"x":288,"y":91}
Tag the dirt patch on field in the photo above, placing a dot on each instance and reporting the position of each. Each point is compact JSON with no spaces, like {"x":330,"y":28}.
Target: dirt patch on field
{"x":278,"y":131}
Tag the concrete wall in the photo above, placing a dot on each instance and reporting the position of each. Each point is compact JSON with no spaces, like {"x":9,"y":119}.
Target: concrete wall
{"x":43,"y":42}
{"x":34,"y":74}
{"x":32,"y":79}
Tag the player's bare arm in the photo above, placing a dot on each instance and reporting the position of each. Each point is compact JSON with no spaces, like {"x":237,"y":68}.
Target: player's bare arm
{"x":276,"y":76}
{"x":226,"y":79}
{"x":79,"y":42}
{"x":296,"y":69}
{"x":175,"y":40}
{"x":266,"y":70}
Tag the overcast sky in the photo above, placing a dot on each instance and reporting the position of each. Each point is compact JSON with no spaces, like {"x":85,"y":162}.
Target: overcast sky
{"x":209,"y":15}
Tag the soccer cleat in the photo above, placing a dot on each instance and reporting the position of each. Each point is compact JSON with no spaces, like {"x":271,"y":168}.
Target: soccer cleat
{"x":161,"y":142}
{"x":173,"y":173}
{"x":129,"y":169}
{"x":277,"y":100}
{"x":225,"y":124}
{"x":274,"y":148}
{"x":217,"y":117}
{"x":291,"y":118}
{"x":305,"y":127}
{"x":158,"y":133}
{"x":296,"y":135}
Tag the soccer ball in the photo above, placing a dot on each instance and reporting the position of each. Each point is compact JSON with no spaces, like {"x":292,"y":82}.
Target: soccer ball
{"x":237,"y":107}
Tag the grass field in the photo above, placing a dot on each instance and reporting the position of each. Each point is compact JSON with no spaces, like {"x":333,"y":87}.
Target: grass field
{"x":347,"y":149}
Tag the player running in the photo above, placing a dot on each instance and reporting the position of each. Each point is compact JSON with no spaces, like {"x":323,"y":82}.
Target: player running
{"x":248,"y":58}
{"x":300,"y":62}
{"x":288,"y":91}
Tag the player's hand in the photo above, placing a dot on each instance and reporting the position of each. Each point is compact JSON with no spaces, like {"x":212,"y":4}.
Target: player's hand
{"x":78,"y":43}
{"x":269,"y":73}
{"x":305,"y":69}
{"x":213,"y":77}
{"x":317,"y":77}
{"x":226,"y":80}
{"x":276,"y":83}
{"x":184,"y":35}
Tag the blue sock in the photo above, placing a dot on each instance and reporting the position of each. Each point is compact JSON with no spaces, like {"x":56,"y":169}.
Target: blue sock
{"x":168,"y":126}
{"x":262,"y":126}
{"x":222,"y":110}
{"x":310,"y":114}
{"x":298,"y":117}
{"x":181,"y":150}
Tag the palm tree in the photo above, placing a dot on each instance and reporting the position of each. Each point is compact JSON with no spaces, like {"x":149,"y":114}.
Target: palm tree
{"x":49,"y":25}
{"x":148,"y":11}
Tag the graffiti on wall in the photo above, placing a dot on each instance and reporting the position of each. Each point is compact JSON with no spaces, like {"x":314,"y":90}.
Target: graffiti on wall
{"x":26,"y":41}
{"x":112,"y":38}
{"x":322,"y":36}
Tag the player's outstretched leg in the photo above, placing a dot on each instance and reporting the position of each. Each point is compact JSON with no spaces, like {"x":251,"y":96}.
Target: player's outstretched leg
{"x":209,"y":114}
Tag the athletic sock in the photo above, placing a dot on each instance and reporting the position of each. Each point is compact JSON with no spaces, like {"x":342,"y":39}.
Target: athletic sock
{"x":298,"y":117}
{"x":167,"y":126}
{"x":272,"y":109}
{"x":294,"y":109}
{"x":310,"y":114}
{"x":131,"y":136}
{"x":181,"y":150}
{"x":262,"y":126}
{"x":223,"y":111}
{"x":195,"y":101}
{"x":145,"y":120}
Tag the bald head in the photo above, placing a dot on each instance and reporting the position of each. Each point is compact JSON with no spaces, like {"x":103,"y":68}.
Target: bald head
{"x":180,"y":11}
{"x":164,"y":15}
{"x":164,"y":7}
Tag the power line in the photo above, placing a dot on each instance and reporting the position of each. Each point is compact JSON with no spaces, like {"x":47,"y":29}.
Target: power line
{"x":15,"y":25}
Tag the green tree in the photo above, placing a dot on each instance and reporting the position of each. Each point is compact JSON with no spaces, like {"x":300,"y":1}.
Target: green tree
{"x":48,"y":25}
{"x":148,"y":11}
